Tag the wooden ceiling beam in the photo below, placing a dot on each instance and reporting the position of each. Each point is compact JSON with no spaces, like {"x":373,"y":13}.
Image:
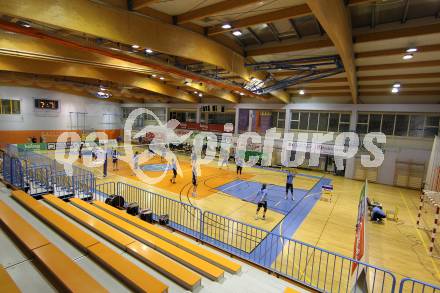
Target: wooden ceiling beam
{"x":400,"y":76}
{"x":299,"y":46}
{"x":139,"y":4}
{"x":400,"y":51}
{"x":285,"y":13}
{"x":213,"y":9}
{"x":393,"y":66}
{"x":335,"y":19}
{"x":404,"y":86}
{"x":398,"y":33}
{"x":401,"y":93}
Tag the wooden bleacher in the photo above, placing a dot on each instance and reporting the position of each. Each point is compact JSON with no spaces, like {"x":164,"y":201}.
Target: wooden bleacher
{"x":181,"y":275}
{"x":59,"y":268}
{"x":122,"y":268}
{"x":205,"y":254}
{"x":201,"y":266}
{"x":6,"y":282}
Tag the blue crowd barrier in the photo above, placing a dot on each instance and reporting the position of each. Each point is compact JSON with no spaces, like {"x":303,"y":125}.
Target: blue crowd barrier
{"x":408,"y":285}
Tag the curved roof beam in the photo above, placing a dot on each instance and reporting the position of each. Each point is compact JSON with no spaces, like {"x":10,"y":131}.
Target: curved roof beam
{"x":335,"y":19}
{"x":129,"y":28}
{"x":26,"y":65}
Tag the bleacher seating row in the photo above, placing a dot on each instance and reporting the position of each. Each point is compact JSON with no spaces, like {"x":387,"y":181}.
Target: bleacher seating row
{"x":169,"y":254}
{"x":118,"y":265}
{"x":6,"y":282}
{"x":174,"y":257}
{"x":67,"y":275}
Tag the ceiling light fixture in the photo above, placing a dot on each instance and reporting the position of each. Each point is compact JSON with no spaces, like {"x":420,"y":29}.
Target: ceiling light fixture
{"x":154,"y":75}
{"x":148,"y":51}
{"x":200,"y":95}
{"x":237,"y":33}
{"x":135,"y":46}
{"x":226,"y":26}
{"x":395,"y":90}
{"x":241,"y":94}
{"x":195,"y":92}
{"x":411,"y":50}
{"x":161,"y":78}
{"x":396,"y":85}
{"x":25,"y":24}
{"x":407,"y":56}
{"x":301,"y":92}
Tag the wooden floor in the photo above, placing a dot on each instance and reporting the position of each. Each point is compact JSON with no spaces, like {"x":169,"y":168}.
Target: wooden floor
{"x":397,"y":246}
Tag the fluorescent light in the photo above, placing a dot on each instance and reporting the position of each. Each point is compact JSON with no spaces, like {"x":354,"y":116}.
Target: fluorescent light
{"x":148,"y":51}
{"x":395,"y":90}
{"x":411,"y":50}
{"x":396,"y":85}
{"x":135,"y":46}
{"x":200,"y":95}
{"x":154,"y":75}
{"x":237,"y":33}
{"x":161,"y":78}
{"x":301,"y":92}
{"x":407,"y":56}
{"x":226,"y":26}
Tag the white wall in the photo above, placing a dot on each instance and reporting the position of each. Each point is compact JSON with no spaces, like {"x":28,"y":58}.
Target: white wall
{"x":101,"y":114}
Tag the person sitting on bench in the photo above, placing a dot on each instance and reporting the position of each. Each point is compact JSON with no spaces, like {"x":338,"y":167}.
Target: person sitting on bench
{"x":377,"y":214}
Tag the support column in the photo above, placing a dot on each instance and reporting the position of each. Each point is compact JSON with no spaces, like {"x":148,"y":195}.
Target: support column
{"x":287,"y":117}
{"x":198,"y":114}
{"x":237,"y":115}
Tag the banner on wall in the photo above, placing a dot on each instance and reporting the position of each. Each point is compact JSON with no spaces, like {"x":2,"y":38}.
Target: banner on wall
{"x":32,"y":146}
{"x":359,"y":274}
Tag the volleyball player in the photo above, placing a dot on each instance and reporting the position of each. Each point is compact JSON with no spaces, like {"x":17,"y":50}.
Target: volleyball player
{"x":262,"y":203}
{"x":224,"y":158}
{"x":115,"y":158}
{"x":194,"y":180}
{"x":136,"y":162}
{"x":289,"y":184}
{"x":174,"y":167}
{"x":239,"y":163}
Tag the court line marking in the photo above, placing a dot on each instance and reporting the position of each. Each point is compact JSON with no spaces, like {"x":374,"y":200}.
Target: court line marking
{"x":419,"y":234}
{"x":233,"y":185}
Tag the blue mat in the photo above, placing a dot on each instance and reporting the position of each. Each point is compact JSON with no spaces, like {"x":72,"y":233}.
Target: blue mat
{"x":156,"y":167}
{"x":247,"y":190}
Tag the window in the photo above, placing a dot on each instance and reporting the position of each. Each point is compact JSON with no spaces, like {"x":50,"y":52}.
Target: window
{"x":415,"y":125}
{"x":313,"y":121}
{"x":401,"y":128}
{"x":9,"y":107}
{"x":374,"y":123}
{"x":388,"y":124}
{"x":333,"y":124}
{"x":323,"y":121}
{"x":278,"y":119}
{"x":320,"y":121}
{"x":304,"y":120}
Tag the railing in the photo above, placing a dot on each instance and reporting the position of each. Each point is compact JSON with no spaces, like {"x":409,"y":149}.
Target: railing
{"x":104,"y":190}
{"x":315,"y":267}
{"x":414,"y":286}
{"x":182,"y":217}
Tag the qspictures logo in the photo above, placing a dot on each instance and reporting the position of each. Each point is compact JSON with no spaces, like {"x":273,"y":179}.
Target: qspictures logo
{"x":205,"y":146}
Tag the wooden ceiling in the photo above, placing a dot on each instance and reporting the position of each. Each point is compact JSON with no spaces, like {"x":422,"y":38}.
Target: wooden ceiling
{"x":376,"y":37}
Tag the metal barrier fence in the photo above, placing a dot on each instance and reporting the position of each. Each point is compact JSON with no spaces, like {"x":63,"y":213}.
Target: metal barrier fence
{"x":104,"y":190}
{"x":414,"y":286}
{"x":39,"y":174}
{"x":182,"y":217}
{"x":310,"y":265}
